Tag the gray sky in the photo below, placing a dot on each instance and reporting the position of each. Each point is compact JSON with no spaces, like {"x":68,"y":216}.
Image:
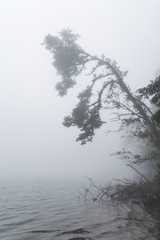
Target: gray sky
{"x":32,"y":138}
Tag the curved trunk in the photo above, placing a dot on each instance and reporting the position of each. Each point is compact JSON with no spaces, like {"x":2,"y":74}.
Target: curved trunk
{"x":150,"y":124}
{"x":153,"y":129}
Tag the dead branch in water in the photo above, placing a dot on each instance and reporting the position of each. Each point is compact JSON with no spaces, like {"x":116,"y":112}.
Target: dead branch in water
{"x":143,"y":193}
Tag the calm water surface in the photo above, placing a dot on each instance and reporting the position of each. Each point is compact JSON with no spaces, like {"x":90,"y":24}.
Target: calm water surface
{"x":51,"y":209}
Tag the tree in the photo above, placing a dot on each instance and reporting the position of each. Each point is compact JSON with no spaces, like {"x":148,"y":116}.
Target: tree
{"x":106,"y":90}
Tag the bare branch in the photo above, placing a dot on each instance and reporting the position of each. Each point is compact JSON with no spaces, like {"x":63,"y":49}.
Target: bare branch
{"x":138,"y":172}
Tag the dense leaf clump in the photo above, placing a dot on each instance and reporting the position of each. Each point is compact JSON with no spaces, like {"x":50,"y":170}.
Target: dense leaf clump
{"x":68,"y":58}
{"x":152,"y":92}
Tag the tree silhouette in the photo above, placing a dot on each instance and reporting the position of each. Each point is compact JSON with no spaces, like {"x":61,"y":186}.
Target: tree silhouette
{"x":106,"y":90}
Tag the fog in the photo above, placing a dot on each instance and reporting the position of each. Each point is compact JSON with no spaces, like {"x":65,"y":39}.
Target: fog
{"x":33,"y":140}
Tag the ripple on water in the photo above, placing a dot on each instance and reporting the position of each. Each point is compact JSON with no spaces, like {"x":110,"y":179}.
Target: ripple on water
{"x":48,"y":210}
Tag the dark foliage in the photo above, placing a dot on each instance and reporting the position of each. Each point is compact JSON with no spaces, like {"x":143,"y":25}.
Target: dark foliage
{"x":152,"y":92}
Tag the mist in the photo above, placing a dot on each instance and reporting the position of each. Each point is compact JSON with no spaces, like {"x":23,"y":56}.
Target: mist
{"x":33,"y":141}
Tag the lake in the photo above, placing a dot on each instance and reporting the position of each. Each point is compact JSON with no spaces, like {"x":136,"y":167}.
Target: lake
{"x":51,"y":209}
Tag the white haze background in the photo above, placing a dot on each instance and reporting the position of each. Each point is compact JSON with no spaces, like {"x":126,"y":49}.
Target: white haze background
{"x":33,"y":141}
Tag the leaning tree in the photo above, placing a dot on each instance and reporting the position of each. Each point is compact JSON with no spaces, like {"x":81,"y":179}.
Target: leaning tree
{"x":106,"y":90}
